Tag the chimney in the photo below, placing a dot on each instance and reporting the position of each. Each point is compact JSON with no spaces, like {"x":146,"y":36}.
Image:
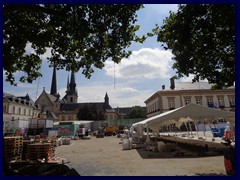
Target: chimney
{"x":163,"y":87}
{"x":172,"y":84}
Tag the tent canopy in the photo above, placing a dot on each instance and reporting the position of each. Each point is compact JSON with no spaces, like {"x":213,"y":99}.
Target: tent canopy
{"x":190,"y":112}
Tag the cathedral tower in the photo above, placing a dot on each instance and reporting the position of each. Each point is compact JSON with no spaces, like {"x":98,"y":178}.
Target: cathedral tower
{"x":71,"y":93}
{"x":54,"y":83}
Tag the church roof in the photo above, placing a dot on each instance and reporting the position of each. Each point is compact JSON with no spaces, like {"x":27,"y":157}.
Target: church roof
{"x":52,"y":97}
{"x":75,"y":106}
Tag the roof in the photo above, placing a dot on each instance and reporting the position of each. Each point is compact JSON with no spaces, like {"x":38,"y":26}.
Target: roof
{"x":7,"y":94}
{"x":19,"y":99}
{"x":75,"y":106}
{"x":51,"y":115}
{"x":27,"y":98}
{"x":51,"y":97}
{"x":191,"y":86}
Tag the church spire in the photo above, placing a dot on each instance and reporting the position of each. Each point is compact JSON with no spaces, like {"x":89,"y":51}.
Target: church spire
{"x":67,"y":84}
{"x":71,"y":92}
{"x":54,"y":82}
{"x":72,"y":84}
{"x":106,"y":98}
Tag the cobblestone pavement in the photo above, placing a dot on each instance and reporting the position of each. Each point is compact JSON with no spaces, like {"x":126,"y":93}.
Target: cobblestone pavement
{"x":106,"y":157}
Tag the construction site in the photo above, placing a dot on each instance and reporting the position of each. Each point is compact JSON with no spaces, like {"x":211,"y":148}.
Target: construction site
{"x":86,"y":148}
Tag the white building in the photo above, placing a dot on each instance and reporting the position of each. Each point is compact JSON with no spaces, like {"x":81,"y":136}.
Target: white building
{"x":184,"y":93}
{"x":17,"y":108}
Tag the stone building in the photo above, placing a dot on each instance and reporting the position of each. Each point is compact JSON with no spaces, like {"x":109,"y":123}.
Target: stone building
{"x":68,"y":108}
{"x":18,"y":108}
{"x":183,"y":93}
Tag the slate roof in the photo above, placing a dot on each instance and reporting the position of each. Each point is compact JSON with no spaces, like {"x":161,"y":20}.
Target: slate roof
{"x":75,"y":106}
{"x":193,"y":86}
{"x":19,"y":99}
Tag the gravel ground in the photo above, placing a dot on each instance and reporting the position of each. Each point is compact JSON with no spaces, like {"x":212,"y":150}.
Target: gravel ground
{"x":106,"y":157}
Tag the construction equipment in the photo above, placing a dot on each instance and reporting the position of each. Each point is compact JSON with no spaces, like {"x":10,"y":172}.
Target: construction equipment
{"x":100,"y":133}
{"x":110,"y":131}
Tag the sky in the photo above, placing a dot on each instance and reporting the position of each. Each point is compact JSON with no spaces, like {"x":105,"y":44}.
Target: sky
{"x":127,"y":84}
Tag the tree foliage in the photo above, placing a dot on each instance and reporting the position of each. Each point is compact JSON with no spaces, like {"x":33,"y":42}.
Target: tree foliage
{"x":137,"y":112}
{"x":90,"y":112}
{"x":79,"y":36}
{"x":202,"y":38}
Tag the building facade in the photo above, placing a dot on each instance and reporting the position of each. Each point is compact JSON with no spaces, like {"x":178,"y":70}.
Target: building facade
{"x":68,"y":108}
{"x":184,"y":93}
{"x":18,"y":108}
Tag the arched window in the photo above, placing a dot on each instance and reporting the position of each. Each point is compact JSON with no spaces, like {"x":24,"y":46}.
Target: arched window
{"x":71,"y":99}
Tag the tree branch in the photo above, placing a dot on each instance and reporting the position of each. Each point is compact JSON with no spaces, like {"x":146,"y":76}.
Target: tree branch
{"x":7,"y":9}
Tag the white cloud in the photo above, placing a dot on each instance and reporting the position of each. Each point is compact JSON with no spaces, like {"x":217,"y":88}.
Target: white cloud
{"x":145,"y":63}
{"x":122,"y":96}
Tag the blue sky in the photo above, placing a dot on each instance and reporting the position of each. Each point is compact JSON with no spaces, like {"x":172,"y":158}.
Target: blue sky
{"x":136,"y":78}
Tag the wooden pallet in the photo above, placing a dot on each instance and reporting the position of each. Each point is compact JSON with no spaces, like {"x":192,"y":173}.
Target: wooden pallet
{"x":13,"y":147}
{"x":40,"y":150}
{"x":24,"y":151}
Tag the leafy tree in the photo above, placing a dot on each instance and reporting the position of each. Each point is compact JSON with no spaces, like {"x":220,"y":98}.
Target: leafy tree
{"x":202,"y":38}
{"x":137,"y":112}
{"x":79,"y":36}
{"x":90,"y":112}
{"x":84,"y":113}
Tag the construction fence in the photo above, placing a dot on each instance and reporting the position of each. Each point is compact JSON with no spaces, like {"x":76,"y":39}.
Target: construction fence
{"x":123,"y":122}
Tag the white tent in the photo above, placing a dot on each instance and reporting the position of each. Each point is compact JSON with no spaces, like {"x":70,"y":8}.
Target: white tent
{"x":195,"y":112}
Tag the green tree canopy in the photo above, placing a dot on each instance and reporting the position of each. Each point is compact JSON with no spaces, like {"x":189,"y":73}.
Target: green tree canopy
{"x":202,"y":38}
{"x":137,"y":112}
{"x":90,"y":112}
{"x":79,"y":36}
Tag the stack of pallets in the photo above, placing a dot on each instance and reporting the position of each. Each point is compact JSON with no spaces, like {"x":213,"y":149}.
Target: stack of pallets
{"x":40,"y":151}
{"x":13,"y":147}
{"x":24,"y":152}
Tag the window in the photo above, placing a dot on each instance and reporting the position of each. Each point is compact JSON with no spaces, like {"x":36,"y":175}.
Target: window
{"x":24,"y":111}
{"x":171,"y":103}
{"x":221,"y":102}
{"x":69,"y":118}
{"x":63,"y":118}
{"x":71,"y":99}
{"x":19,"y":110}
{"x":210,"y":101}
{"x":187,"y":100}
{"x":198,"y":100}
{"x":13,"y":110}
{"x":231,"y":101}
{"x":5,"y":109}
{"x":29,"y":112}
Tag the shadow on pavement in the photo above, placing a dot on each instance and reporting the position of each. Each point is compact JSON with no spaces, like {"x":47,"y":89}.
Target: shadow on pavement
{"x":174,"y":154}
